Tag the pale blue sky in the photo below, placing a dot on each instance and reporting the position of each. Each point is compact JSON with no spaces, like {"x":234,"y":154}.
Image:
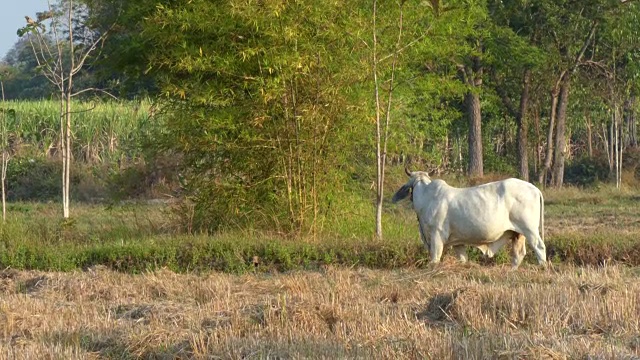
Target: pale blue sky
{"x":12,"y":18}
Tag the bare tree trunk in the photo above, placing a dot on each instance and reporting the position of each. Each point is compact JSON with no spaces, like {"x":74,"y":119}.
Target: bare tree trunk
{"x":66,"y":161}
{"x":5,"y":155}
{"x":475,"y":168}
{"x":542,"y":176}
{"x":612,"y":146}
{"x":472,"y":76}
{"x":382,"y":135}
{"x":538,"y":154}
{"x":558,"y":163}
{"x":630,"y":122}
{"x":67,"y":132}
{"x":589,"y":126}
{"x":620,"y":145}
{"x":616,"y":143}
{"x":445,"y":154}
{"x":605,"y":139}
{"x":379,"y":172}
{"x":523,"y":158}
{"x":63,"y":147}
{"x":5,"y":162}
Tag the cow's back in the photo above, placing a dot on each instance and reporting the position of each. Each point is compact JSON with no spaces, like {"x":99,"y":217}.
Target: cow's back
{"x":483,"y":213}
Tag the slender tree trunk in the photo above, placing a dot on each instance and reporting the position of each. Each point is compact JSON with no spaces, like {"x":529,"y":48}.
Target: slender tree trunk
{"x":542,"y":176}
{"x":611,"y":146}
{"x":67,"y":161}
{"x":630,"y":122}
{"x":475,"y":168}
{"x":445,"y":154}
{"x":538,"y":160}
{"x":63,"y":148}
{"x":558,"y":163}
{"x":523,"y":158}
{"x":588,"y":124}
{"x":5,"y":155}
{"x":605,"y":140}
{"x":616,"y":142}
{"x":472,"y":76}
{"x":67,"y":132}
{"x":5,"y":162}
{"x":382,"y":131}
{"x":378,"y":130}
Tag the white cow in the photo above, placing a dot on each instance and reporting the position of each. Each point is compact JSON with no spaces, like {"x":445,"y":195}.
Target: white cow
{"x":485,"y":216}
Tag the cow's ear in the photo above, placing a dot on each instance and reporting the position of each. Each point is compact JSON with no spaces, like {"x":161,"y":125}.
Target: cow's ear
{"x":402,"y":193}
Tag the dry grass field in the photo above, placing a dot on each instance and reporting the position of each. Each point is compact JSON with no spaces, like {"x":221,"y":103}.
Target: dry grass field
{"x":452,"y":311}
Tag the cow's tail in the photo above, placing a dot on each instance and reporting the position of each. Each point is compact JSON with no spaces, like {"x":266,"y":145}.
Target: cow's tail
{"x":541,"y":216}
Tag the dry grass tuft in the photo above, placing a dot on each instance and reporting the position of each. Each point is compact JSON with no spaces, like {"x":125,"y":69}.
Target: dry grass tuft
{"x":447,"y":312}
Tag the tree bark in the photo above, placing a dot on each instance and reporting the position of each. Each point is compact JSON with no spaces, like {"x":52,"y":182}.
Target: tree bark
{"x":538,"y":158}
{"x":475,"y":168}
{"x":630,"y":122}
{"x":473,"y":78}
{"x":542,"y":175}
{"x":587,"y":121}
{"x":560,"y":144}
{"x":521,"y":119}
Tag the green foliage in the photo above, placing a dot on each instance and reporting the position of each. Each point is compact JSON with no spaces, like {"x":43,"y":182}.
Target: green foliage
{"x":255,"y":103}
{"x":267,"y":107}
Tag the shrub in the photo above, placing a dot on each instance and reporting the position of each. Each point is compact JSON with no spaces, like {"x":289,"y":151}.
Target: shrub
{"x":586,"y":171}
{"x":35,"y":179}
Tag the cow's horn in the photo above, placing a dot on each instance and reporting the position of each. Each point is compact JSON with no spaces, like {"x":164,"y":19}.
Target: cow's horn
{"x":406,"y":170}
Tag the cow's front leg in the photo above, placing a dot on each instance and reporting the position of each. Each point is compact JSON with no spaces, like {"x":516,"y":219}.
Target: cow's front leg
{"x":423,"y":233}
{"x":437,"y":245}
{"x":461,"y":253}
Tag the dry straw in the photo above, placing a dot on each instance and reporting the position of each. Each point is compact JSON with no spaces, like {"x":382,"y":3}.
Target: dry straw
{"x":456,"y":312}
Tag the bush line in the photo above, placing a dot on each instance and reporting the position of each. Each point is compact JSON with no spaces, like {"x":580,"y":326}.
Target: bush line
{"x":196,"y":254}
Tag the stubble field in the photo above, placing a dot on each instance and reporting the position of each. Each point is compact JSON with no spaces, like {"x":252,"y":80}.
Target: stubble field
{"x":450,"y":312}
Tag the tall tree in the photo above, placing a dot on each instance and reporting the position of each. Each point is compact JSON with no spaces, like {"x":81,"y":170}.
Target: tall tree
{"x":514,"y":43}
{"x":472,"y":75}
{"x":567,"y":34}
{"x":382,"y":125}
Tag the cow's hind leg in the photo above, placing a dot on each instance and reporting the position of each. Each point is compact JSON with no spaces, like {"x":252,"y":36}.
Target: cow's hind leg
{"x":534,"y":240}
{"x":461,"y":252}
{"x":518,"y":250}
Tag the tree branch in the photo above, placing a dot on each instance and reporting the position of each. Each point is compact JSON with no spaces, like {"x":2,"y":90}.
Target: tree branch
{"x":506,"y":100}
{"x":410,"y":44}
{"x":93,"y":46}
{"x":96,"y":90}
{"x":585,"y":45}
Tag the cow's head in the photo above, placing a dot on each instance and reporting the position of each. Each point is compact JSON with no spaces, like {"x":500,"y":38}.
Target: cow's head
{"x":406,"y":190}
